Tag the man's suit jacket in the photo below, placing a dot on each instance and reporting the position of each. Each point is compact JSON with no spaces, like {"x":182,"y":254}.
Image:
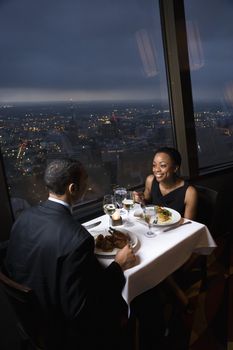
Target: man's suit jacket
{"x":50,"y":252}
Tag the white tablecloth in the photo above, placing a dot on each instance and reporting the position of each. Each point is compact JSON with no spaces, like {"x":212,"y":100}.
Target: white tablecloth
{"x":160,"y":256}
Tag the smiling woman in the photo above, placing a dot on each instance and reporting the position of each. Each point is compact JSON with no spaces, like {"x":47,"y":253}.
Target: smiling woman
{"x":165,"y":188}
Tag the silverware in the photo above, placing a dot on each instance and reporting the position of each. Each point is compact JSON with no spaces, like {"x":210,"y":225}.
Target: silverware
{"x":88,"y":227}
{"x":174,"y":227}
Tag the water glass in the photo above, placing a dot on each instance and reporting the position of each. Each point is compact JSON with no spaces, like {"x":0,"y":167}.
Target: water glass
{"x":120,"y":194}
{"x":150,"y":217}
{"x":128,"y":202}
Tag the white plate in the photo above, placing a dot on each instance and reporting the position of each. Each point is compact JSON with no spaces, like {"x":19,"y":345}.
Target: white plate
{"x":133,"y":238}
{"x":173,"y":220}
{"x":175,"y":217}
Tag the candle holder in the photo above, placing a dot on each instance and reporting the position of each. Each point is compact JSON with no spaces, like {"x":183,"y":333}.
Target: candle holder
{"x":116,"y":222}
{"x":116,"y":219}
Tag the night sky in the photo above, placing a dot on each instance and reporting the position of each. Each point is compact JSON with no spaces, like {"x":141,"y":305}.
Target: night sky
{"x":107,"y":50}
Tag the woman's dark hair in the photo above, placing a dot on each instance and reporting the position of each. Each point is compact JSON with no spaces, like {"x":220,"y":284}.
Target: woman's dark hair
{"x":62,"y":172}
{"x":173,"y":154}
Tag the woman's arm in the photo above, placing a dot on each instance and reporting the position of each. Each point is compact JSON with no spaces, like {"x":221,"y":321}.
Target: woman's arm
{"x":190,"y":201}
{"x":148,"y":185}
{"x":144,"y":197}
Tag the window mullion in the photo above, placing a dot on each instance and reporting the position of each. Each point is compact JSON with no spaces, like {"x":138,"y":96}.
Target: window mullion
{"x":179,"y":83}
{"x":6,"y":216}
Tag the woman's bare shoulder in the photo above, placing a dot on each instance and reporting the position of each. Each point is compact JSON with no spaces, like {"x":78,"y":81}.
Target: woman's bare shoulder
{"x":149,"y":179}
{"x":191,"y":192}
{"x":191,"y":189}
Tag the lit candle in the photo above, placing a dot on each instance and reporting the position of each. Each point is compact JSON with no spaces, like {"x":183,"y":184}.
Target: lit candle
{"x":116,"y":215}
{"x":116,"y":218}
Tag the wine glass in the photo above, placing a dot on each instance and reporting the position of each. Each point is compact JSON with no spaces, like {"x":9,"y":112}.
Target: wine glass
{"x":109,"y":205}
{"x":128,"y":202}
{"x":150,"y":217}
{"x":120,"y":194}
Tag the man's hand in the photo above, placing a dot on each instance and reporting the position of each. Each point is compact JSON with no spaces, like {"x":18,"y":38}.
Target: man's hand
{"x":125,"y":257}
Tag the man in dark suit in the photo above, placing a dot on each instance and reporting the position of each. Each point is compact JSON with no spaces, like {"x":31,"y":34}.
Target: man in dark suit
{"x":50,"y":252}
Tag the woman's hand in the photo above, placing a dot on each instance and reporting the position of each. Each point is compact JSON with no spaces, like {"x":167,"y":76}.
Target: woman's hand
{"x":139,"y":197}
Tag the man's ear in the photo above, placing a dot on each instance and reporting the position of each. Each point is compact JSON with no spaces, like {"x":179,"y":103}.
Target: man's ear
{"x":73,"y":188}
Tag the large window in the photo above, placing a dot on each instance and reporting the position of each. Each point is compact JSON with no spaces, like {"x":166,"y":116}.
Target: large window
{"x":82,"y":79}
{"x":210,"y":33}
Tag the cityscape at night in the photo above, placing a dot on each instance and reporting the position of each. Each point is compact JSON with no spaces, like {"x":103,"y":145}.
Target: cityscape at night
{"x":115,"y":142}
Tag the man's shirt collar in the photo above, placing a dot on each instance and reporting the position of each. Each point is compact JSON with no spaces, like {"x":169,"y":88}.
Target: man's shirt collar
{"x":59,"y":201}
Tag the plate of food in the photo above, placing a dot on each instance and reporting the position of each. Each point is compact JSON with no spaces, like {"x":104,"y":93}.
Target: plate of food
{"x":165,"y":216}
{"x":109,"y":243}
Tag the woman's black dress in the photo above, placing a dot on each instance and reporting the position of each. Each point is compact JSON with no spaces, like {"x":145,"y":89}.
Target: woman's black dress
{"x":173,"y":200}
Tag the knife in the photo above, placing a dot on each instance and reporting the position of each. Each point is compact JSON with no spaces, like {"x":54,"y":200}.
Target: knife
{"x":88,"y":227}
{"x":174,"y":227}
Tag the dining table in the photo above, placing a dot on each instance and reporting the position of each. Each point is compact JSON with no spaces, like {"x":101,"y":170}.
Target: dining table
{"x":156,"y":257}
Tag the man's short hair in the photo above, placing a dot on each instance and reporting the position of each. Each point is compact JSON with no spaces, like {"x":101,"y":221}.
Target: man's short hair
{"x":62,"y":172}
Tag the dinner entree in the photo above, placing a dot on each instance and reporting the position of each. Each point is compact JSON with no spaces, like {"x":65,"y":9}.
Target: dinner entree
{"x":163,"y":215}
{"x":116,"y":239}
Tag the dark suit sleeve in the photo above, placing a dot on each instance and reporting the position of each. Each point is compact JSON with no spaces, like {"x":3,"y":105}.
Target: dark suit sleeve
{"x":85,"y":286}
{"x":3,"y":250}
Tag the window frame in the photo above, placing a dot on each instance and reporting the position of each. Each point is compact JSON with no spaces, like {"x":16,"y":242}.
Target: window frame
{"x":6,"y":213}
{"x":180,"y":89}
{"x":179,"y":83}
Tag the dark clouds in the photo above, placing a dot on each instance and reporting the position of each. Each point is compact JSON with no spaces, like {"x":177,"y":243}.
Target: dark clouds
{"x":90,"y":45}
{"x":70,"y":44}
{"x":214,"y":21}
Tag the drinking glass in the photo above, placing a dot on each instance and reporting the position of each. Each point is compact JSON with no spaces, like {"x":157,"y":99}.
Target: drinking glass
{"x":109,"y":205}
{"x":128,"y":202}
{"x":120,"y":194}
{"x":150,"y":218}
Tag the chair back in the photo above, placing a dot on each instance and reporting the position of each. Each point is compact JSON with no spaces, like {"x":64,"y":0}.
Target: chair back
{"x":223,"y":214}
{"x":26,"y":308}
{"x":206,"y":205}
